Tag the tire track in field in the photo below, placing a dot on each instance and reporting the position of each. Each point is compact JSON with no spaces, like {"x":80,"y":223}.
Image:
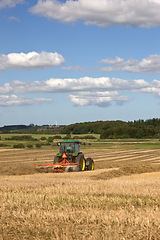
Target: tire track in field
{"x":122,"y":157}
{"x":113,"y":154}
{"x":152,"y":156}
{"x":26,"y":156}
{"x":26,"y":161}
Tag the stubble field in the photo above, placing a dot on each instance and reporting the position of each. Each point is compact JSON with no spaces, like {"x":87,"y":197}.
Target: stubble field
{"x":120,"y":199}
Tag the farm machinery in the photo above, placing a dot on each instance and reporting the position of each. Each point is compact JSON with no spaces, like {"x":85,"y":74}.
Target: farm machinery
{"x":70,"y":159}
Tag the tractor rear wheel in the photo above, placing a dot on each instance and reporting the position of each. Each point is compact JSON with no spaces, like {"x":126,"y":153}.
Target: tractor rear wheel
{"x":89,"y":164}
{"x":81,"y":161}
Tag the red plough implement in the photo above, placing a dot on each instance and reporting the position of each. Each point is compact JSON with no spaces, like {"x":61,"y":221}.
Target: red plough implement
{"x":64,"y":166}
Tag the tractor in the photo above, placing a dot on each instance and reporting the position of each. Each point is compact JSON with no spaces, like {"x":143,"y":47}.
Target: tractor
{"x":70,"y":159}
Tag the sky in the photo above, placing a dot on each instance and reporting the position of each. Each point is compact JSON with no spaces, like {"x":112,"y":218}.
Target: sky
{"x":64,"y":62}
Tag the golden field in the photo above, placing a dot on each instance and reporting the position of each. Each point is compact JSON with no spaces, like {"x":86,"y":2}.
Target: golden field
{"x":119,"y":200}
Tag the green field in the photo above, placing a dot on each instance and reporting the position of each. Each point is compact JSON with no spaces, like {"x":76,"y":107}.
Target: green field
{"x":37,"y":141}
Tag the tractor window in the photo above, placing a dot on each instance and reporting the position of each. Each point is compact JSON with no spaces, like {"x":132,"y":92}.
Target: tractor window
{"x":67,"y":148}
{"x":76,"y":147}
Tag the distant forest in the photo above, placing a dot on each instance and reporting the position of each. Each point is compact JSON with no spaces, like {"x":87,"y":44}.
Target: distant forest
{"x":107,"y":129}
{"x":117,"y":129}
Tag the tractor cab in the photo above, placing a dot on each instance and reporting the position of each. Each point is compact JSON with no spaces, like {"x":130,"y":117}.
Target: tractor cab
{"x":69,"y":146}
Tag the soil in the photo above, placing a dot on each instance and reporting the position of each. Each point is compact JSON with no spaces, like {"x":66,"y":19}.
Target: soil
{"x":115,"y":163}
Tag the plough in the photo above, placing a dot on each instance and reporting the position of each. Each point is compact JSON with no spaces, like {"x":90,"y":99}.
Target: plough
{"x":64,"y":166}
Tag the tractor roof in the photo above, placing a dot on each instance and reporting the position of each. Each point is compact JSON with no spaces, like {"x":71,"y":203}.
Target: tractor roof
{"x":70,"y":141}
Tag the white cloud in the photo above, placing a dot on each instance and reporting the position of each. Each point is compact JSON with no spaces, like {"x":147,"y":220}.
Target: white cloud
{"x":101,"y":91}
{"x":9,"y":3}
{"x":73,"y":85}
{"x":154,"y":88}
{"x":103,"y":13}
{"x":30,"y":60}
{"x":100,"y":99}
{"x":148,"y":64}
{"x":14,"y":100}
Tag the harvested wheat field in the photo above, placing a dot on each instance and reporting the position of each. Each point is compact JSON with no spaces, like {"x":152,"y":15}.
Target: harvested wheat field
{"x":119,"y":200}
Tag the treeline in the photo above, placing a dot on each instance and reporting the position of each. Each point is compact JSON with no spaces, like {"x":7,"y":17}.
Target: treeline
{"x":14,"y":127}
{"x":117,"y":129}
{"x":33,"y":129}
{"x":107,"y":129}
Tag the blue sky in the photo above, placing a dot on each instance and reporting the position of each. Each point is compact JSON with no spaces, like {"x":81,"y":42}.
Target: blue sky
{"x":75,"y":61}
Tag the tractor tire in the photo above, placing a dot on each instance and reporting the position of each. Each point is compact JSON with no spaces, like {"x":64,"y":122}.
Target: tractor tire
{"x":56,"y":160}
{"x":81,"y":161}
{"x":89,"y":164}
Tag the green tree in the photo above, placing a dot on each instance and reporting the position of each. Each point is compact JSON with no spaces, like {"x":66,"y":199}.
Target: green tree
{"x":140,"y":133}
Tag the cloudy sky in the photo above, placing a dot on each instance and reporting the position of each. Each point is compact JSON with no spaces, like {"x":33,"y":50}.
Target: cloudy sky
{"x":79,"y":60}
